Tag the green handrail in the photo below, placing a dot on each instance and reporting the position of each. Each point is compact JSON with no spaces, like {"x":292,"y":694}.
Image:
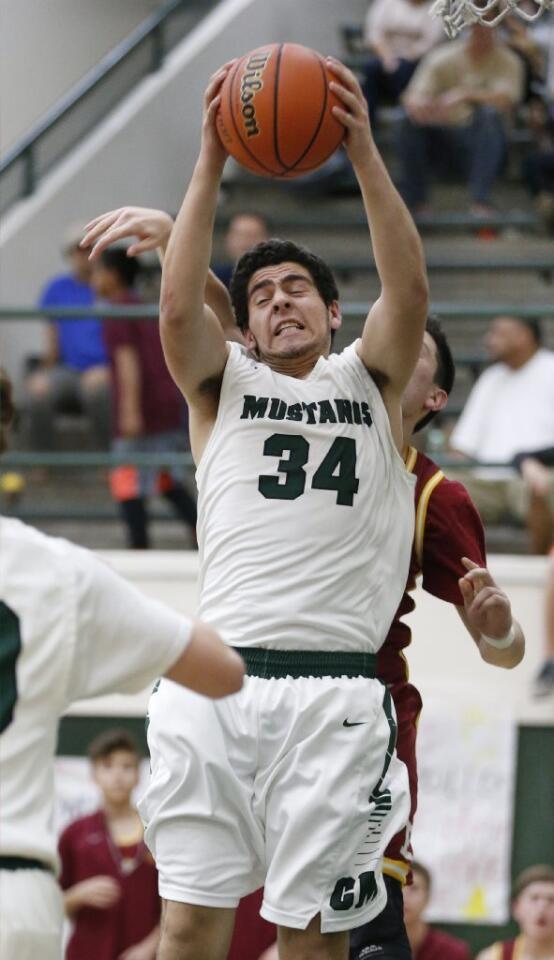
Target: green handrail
{"x":76,"y":458}
{"x":352,"y":309}
{"x":150,"y":30}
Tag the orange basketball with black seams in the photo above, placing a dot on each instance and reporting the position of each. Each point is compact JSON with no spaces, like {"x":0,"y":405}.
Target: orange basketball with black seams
{"x":275,"y":115}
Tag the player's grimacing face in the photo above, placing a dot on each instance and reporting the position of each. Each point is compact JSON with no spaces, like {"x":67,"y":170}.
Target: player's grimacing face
{"x":534,"y":911}
{"x":117,"y":775}
{"x":286,"y":316}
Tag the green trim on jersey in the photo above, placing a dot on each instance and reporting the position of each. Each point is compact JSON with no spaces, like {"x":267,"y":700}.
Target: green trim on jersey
{"x":10,"y":648}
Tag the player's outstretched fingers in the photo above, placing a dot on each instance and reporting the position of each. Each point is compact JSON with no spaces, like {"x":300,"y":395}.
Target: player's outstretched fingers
{"x":344,"y":75}
{"x":102,"y":216}
{"x":216,"y":81}
{"x":466,"y":590}
{"x":481,"y":598}
{"x":479,"y":576}
{"x":99,"y":227}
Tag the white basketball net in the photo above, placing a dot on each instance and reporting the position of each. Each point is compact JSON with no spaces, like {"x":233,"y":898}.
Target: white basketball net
{"x":457,"y":14}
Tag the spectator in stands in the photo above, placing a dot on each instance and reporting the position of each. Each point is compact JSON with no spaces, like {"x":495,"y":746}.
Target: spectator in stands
{"x":457,"y":105}
{"x":520,"y":39}
{"x":427,"y":943}
{"x":73,"y":375}
{"x":148,"y":408}
{"x":538,"y":165}
{"x":510,"y":411}
{"x":108,"y":876}
{"x":533,"y":910}
{"x":398,"y":33}
{"x":538,"y":477}
{"x":245,"y":230}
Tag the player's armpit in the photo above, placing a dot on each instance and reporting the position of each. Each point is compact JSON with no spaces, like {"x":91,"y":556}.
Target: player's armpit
{"x":196,"y":353}
{"x":207,"y":665}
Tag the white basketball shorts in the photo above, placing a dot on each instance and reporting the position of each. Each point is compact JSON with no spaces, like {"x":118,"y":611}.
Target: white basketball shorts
{"x":31,"y":915}
{"x":290,"y":784}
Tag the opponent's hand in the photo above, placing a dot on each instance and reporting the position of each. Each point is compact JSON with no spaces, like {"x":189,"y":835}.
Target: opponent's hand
{"x":100,"y":892}
{"x":487,"y":607}
{"x":353,"y":112}
{"x":212,"y":149}
{"x":152,"y":229}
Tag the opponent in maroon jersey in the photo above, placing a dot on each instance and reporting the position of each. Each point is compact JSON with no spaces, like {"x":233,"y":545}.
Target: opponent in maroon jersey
{"x":449,"y":553}
{"x":533,"y":909}
{"x":448,"y":528}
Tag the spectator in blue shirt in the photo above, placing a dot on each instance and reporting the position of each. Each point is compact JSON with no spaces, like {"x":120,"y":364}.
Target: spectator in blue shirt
{"x":73,"y":376}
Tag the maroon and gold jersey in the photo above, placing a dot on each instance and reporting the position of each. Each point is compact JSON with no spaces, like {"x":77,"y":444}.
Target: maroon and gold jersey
{"x":447,"y":528}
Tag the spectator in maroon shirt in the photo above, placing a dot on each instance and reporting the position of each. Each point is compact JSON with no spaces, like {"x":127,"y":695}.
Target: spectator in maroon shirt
{"x":427,"y":943}
{"x":149,"y":413}
{"x":108,"y":875}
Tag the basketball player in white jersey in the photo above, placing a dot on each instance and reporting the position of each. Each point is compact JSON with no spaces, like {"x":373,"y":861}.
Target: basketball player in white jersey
{"x":69,"y":628}
{"x":305,"y":525}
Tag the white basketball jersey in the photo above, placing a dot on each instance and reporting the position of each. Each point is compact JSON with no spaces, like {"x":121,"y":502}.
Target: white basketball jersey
{"x":306,"y":510}
{"x":70,"y":628}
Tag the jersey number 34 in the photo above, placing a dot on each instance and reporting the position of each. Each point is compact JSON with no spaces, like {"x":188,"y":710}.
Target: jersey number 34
{"x":337,"y":470}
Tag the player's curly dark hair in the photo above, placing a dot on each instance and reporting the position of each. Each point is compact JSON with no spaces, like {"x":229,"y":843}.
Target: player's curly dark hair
{"x":269,"y":253}
{"x":7,"y":408}
{"x":446,"y":370}
{"x":127,"y":268}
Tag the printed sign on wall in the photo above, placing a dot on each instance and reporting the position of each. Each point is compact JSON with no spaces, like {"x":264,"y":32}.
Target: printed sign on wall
{"x":464,"y":822}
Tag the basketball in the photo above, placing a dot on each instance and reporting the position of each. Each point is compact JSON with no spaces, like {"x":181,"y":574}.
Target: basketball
{"x":275,"y":114}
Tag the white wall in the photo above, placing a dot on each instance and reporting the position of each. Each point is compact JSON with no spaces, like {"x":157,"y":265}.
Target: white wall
{"x":443,"y":659}
{"x":145,"y":150}
{"x":46,"y":46}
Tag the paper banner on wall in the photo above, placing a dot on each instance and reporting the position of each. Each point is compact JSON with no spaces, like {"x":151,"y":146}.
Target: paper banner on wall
{"x":464,"y":822}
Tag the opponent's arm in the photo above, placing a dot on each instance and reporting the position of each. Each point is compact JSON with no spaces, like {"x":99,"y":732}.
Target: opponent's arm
{"x":192,"y":339}
{"x":216,"y":296}
{"x":152,"y":229}
{"x":393,"y":331}
{"x":207,"y":665}
{"x":487,"y":614}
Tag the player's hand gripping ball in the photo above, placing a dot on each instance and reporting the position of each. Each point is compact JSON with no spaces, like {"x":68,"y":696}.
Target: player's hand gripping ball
{"x":275,"y":114}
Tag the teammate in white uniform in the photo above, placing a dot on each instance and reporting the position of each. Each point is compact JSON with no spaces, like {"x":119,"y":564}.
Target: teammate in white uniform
{"x":305,"y":526}
{"x":70,"y":628}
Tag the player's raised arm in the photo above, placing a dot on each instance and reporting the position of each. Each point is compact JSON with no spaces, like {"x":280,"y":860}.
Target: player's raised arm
{"x":192,"y":339}
{"x":393,"y":332}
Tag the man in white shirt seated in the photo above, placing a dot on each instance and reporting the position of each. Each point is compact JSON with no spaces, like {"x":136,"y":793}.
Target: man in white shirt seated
{"x":510,"y":411}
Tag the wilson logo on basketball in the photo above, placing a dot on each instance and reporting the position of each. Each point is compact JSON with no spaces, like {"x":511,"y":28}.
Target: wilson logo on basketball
{"x":250,"y":84}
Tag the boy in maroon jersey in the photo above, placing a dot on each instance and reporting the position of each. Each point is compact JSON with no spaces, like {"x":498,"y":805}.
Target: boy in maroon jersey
{"x":149,"y":413}
{"x":449,"y":553}
{"x":426,"y":942}
{"x":533,"y":909}
{"x":108,"y":875}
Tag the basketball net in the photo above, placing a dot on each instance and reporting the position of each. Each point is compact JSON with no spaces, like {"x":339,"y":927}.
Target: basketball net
{"x":457,"y":14}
